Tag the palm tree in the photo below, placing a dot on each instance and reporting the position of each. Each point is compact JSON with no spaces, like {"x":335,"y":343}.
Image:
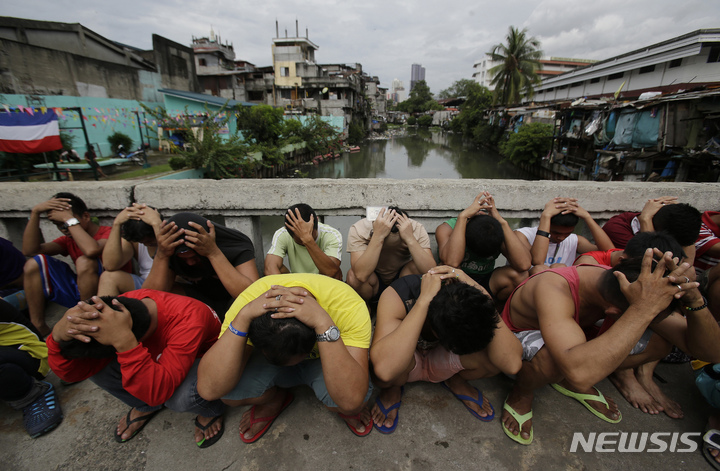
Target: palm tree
{"x":517,"y":72}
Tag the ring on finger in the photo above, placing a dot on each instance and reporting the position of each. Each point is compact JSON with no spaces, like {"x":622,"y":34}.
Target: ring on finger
{"x":276,"y":310}
{"x":679,"y":287}
{"x":278,"y":297}
{"x":687,"y":280}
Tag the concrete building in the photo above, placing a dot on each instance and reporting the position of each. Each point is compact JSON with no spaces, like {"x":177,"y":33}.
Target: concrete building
{"x":548,"y":67}
{"x":397,"y":91}
{"x":50,"y":58}
{"x":686,"y":62}
{"x":417,"y":73}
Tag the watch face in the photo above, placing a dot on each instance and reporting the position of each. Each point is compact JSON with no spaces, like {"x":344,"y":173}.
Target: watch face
{"x":333,"y":334}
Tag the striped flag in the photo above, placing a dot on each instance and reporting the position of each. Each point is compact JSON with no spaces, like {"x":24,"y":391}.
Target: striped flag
{"x":23,"y":133}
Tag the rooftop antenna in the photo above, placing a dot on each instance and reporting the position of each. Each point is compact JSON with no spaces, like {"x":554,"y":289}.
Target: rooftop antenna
{"x":306,"y":34}
{"x":286,"y":32}
{"x":297,"y":32}
{"x":277,"y":31}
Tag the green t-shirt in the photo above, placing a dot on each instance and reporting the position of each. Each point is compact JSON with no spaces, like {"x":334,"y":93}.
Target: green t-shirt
{"x":329,"y":240}
{"x":473,"y":264}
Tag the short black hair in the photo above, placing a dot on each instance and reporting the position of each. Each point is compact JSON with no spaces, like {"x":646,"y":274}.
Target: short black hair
{"x":681,"y":221}
{"x":463,"y":318}
{"x":565,"y":220}
{"x":395,"y":227}
{"x":484,"y":236}
{"x":281,"y":339}
{"x":77,"y":205}
{"x":305,"y":212}
{"x":135,"y":230}
{"x":94,"y":349}
{"x":662,"y":241}
{"x":609,"y":286}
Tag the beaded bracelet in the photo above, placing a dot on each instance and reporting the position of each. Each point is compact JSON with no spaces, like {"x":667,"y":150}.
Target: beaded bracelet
{"x":699,"y":308}
{"x":236,"y":332}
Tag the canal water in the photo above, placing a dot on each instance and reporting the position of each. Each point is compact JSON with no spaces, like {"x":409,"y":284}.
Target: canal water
{"x":420,"y":154}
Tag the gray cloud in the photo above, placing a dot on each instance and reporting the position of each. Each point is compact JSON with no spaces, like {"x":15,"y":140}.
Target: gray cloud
{"x":386,"y":37}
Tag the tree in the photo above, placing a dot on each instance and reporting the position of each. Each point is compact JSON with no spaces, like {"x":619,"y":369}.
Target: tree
{"x":517,"y":72}
{"x":420,"y":100}
{"x":460,"y":88}
{"x":530,"y":144}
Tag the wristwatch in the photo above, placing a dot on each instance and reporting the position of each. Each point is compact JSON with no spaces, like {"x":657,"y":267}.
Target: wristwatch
{"x":70,"y":222}
{"x":330,"y":335}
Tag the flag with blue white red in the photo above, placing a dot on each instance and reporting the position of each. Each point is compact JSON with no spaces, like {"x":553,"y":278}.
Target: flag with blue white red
{"x":25,"y":133}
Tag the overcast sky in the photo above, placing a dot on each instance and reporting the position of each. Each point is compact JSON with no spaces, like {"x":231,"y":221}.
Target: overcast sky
{"x":386,"y":37}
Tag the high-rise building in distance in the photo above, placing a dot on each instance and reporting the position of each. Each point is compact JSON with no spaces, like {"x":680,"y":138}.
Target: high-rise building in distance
{"x":417,"y":73}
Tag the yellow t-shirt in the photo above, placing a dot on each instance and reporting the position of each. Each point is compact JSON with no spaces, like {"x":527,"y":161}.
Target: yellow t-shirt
{"x":15,"y":334}
{"x":345,"y":307}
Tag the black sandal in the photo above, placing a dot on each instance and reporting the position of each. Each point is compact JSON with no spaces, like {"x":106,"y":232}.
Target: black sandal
{"x":143,"y":418}
{"x":205,"y":443}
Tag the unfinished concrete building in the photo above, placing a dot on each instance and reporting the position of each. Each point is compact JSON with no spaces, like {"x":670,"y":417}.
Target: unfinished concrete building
{"x":50,"y":58}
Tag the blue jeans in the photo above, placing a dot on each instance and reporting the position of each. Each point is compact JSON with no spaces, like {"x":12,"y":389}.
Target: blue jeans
{"x":260,"y":375}
{"x":184,"y":399}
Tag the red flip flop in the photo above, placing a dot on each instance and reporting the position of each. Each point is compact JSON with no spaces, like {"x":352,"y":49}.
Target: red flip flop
{"x":368,"y":428}
{"x":289,"y":397}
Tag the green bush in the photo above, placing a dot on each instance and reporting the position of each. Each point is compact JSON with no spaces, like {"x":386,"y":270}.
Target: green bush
{"x":425,"y":121}
{"x":177,"y":162}
{"x":116,"y":139}
{"x":530,"y":144}
{"x":411,"y":120}
{"x":356,"y":133}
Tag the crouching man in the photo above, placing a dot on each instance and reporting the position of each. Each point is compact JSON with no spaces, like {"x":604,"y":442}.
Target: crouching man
{"x":142,"y":348}
{"x":287,"y":330}
{"x":441,"y":328}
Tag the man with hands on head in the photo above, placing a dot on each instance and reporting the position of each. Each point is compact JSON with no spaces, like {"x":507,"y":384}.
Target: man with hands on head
{"x":215,"y":263}
{"x":310,"y":246}
{"x":143,"y":348}
{"x":549,"y":311}
{"x":442,"y":328}
{"x":383,"y":250}
{"x":476,"y":238}
{"x":45,"y":277}
{"x":287,"y":330}
{"x":133,"y":235}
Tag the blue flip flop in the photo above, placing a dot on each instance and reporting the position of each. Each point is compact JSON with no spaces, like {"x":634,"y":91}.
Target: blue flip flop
{"x":479,"y":401}
{"x":391,"y":429}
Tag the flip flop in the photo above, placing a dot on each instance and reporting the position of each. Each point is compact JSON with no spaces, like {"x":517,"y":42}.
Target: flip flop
{"x":583,"y":398}
{"x":143,"y":418}
{"x":391,"y":429}
{"x":710,"y":458}
{"x":289,"y":397}
{"x":521,"y":419}
{"x":368,"y":428}
{"x":479,"y":401}
{"x":205,"y":443}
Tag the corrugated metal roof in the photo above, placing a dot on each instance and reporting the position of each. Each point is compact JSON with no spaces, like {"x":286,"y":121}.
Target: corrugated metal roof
{"x":203,"y":98}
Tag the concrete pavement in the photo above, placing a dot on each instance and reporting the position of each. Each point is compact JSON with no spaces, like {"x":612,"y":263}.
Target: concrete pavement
{"x":435,"y":432}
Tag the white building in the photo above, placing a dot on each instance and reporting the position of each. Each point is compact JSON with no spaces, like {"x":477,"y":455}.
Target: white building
{"x":397,"y":91}
{"x":548,"y":67}
{"x":682,"y":63}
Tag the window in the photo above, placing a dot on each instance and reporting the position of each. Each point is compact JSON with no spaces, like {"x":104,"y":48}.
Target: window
{"x":619,"y":75}
{"x":285,"y":94}
{"x":714,"y":55}
{"x":675,"y":63}
{"x":647,"y":69}
{"x":549,"y":90}
{"x":595,"y":80}
{"x":202,"y":62}
{"x":284,"y":71}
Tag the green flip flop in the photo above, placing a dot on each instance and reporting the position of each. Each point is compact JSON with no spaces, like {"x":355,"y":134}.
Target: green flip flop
{"x":521,"y":419}
{"x":583,"y":398}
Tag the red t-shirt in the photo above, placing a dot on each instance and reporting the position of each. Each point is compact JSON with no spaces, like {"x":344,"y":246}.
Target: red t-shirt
{"x":186,"y":329}
{"x":709,"y":232}
{"x":603,"y":257}
{"x":619,"y":229}
{"x":71,"y":248}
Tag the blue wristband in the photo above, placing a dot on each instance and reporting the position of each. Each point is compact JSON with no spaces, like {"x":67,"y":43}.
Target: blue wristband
{"x":235,"y":331}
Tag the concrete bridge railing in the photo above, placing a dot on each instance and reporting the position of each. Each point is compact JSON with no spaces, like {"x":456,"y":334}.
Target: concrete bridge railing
{"x":241,"y":204}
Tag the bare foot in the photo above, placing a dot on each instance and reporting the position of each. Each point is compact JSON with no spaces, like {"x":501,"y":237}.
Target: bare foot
{"x":210,"y":431}
{"x":127,"y":432}
{"x":387,"y":397}
{"x":634,"y":392}
{"x":522,"y":404}
{"x":460,"y":386}
{"x":670,"y":407}
{"x":269,"y":409}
